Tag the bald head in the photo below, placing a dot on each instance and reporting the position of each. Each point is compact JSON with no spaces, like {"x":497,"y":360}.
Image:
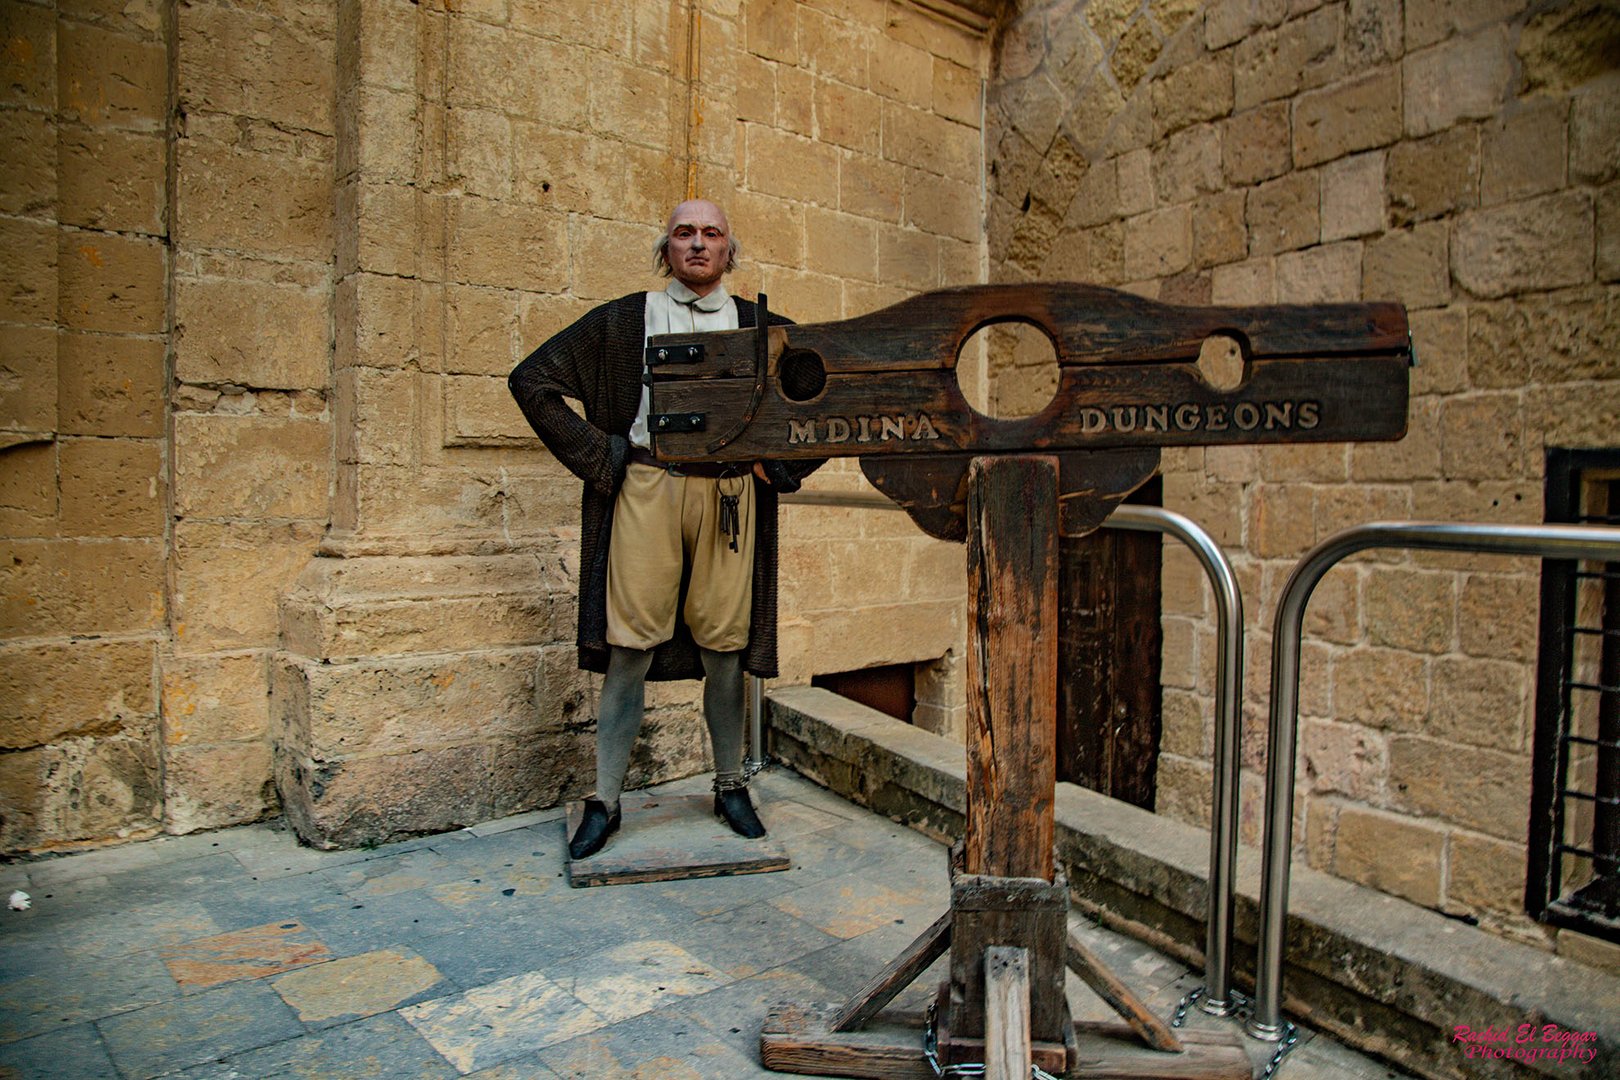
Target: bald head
{"x":697,"y":246}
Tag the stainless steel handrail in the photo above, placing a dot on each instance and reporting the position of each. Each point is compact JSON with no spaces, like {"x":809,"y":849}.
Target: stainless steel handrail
{"x":1217,"y":999}
{"x":1547,"y":541}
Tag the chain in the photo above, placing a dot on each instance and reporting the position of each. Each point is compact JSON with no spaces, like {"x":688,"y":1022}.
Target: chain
{"x":1243,"y":1008}
{"x":966,"y":1068}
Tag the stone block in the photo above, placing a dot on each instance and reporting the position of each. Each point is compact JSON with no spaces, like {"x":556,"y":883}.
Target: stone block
{"x":254,"y":203}
{"x":1432,"y":177}
{"x":1342,"y":506}
{"x":28,"y":281}
{"x":1551,"y":413}
{"x":1271,"y":64}
{"x":1480,"y":702}
{"x":1562,"y":48}
{"x":908,"y":258}
{"x":1256,"y":144}
{"x":1211,"y":505}
{"x":1496,"y":616}
{"x":1353,"y":197}
{"x":1391,"y":853}
{"x":558,"y":169}
{"x":250,"y":467}
{"x":1341,"y":759}
{"x":773,"y":30}
{"x":252,"y":64}
{"x":110,"y":80}
{"x":110,"y":283}
{"x":621,"y":256}
{"x":88,"y":789}
{"x":49,"y":693}
{"x":848,"y":117}
{"x":1251,"y":282}
{"x":871,"y":187}
{"x":1466,"y":78}
{"x":113,"y":180}
{"x":479,"y":152}
{"x":1594,"y":133}
{"x":251,"y":333}
{"x":1138,"y":48}
{"x":1227,"y":22}
{"x":1188,"y":164}
{"x":839,"y":47}
{"x":484,"y":234}
{"x":228,"y":579}
{"x":214,"y":698}
{"x":1483,"y":437}
{"x":1380,"y":688}
{"x":956,"y":92}
{"x":28,"y":376}
{"x":925,"y":141}
{"x":1607,"y":207}
{"x":110,"y":385}
{"x":1484,"y":875}
{"x":1361,"y":113}
{"x":1410,"y":266}
{"x":1295,"y":463}
{"x":479,"y":411}
{"x":1535,"y":244}
{"x":630,"y":103}
{"x":840,"y":244}
{"x":1550,"y":338}
{"x":212,"y":787}
{"x":1524,"y":154}
{"x":1158,"y":243}
{"x":816,"y":297}
{"x":28,"y":188}
{"x":32,"y":56}
{"x":112,"y":487}
{"x":1440,"y":339}
{"x":1411,"y":609}
{"x":376,"y":318}
{"x":1327,"y":274}
{"x":788,"y":166}
{"x":28,"y":489}
{"x":1477,"y":788}
{"x":364,"y":801}
{"x":1219,"y":234}
{"x":937,"y":205}
{"x":81,"y":587}
{"x":1284,"y":214}
{"x":1432,"y":21}
{"x":1193,"y":93}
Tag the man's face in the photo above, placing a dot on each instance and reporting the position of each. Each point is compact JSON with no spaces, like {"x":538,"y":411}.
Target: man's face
{"x":699,"y":245}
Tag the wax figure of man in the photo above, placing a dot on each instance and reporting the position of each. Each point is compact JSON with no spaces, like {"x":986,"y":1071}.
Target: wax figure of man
{"x":677,"y":564}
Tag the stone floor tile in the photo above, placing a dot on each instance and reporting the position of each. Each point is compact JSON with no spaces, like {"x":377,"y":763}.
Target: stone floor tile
{"x":497,"y":890}
{"x":516,"y":821}
{"x":636,"y":977}
{"x":75,"y":1051}
{"x":846,"y":907}
{"x":202,"y":1027}
{"x":268,"y":853}
{"x":253,"y":953}
{"x":118,"y":933}
{"x":746,"y":940}
{"x":351,"y":926}
{"x":359,"y":986}
{"x":381,"y":1047}
{"x":408,"y":871}
{"x":490,"y":1024}
{"x":78,"y":989}
{"x":661,"y":1045}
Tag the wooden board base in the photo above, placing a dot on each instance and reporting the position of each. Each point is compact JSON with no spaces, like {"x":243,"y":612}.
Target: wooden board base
{"x":797,"y":1038}
{"x":670,"y":837}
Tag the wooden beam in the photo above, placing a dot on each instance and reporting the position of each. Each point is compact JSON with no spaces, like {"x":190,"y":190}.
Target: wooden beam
{"x":898,"y":974}
{"x":1153,"y":1031}
{"x":1006,"y":1013}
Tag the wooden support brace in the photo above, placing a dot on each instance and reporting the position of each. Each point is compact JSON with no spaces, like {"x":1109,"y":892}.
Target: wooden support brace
{"x":1155,"y":1032}
{"x":1006,"y":1013}
{"x":898,"y":974}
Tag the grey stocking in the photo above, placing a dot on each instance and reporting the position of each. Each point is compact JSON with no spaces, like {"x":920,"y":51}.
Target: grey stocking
{"x":618,"y":721}
{"x":723,"y":709}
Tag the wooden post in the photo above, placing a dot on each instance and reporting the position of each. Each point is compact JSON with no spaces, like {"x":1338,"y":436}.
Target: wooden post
{"x":1006,"y":1006}
{"x":1012,"y":547}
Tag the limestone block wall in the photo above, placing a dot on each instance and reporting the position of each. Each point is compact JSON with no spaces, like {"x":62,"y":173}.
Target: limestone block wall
{"x":84,"y":461}
{"x":277,"y":535}
{"x":1460,"y":158}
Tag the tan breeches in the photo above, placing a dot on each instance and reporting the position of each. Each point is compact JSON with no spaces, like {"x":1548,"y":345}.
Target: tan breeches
{"x":661,"y":525}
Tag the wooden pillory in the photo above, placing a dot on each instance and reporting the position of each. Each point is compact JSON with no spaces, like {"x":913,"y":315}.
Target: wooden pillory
{"x":883,"y":387}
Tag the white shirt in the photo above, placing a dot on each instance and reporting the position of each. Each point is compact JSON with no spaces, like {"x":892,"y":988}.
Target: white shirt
{"x":679,"y":310}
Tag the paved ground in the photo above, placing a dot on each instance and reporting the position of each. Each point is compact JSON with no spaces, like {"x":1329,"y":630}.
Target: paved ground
{"x":240,"y":954}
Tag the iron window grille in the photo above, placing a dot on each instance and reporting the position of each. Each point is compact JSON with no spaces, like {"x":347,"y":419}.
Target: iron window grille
{"x":1573,"y":877}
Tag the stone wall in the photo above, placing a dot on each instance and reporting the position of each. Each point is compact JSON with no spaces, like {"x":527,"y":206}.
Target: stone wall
{"x":1458,"y":157}
{"x":273,"y":519}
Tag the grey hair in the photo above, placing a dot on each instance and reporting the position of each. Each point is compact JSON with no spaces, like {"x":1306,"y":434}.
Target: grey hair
{"x":661,"y":254}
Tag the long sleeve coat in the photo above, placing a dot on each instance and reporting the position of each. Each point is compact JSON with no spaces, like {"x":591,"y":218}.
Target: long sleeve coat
{"x":598,"y":362}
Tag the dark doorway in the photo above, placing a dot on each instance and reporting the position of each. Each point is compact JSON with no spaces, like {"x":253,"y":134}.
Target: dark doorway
{"x":1109,"y":645}
{"x":890,"y":689}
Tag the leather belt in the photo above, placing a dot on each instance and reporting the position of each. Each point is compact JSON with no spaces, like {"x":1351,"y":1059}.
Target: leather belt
{"x":708,"y":470}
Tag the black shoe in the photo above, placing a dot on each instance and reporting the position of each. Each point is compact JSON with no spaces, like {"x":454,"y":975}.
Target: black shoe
{"x":594,"y":829}
{"x":734,"y":807}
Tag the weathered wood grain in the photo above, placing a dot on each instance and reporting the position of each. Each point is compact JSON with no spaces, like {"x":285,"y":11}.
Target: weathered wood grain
{"x":670,"y":838}
{"x":1006,"y":1012}
{"x":898,"y":974}
{"x":1119,"y":997}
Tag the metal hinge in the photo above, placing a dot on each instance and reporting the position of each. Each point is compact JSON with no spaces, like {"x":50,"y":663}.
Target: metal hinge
{"x":676,"y":423}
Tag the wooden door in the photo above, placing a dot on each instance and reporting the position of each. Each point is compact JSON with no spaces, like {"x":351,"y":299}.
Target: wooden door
{"x":1109,"y":644}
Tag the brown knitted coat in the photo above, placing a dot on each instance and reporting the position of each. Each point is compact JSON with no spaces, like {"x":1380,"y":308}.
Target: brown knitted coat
{"x":598,"y":362}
